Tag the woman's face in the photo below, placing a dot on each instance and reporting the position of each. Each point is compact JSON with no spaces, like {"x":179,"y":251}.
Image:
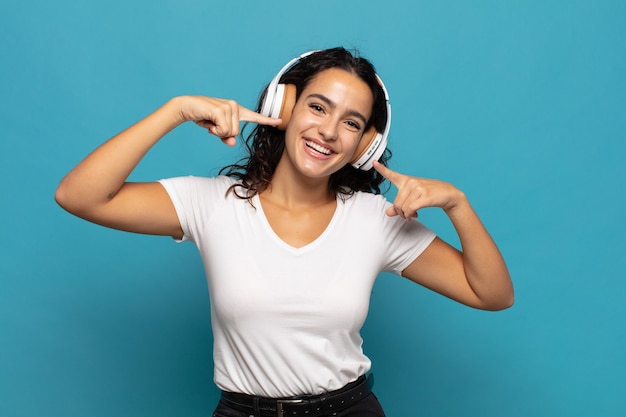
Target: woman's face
{"x":327,"y":122}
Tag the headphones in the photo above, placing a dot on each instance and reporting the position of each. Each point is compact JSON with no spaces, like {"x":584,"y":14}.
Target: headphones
{"x":280,"y":100}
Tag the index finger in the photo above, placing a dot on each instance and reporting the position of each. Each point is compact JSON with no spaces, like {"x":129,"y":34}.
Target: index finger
{"x":247,"y":115}
{"x":392,"y":176}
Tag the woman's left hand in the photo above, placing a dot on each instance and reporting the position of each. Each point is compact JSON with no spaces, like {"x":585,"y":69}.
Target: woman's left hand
{"x":416,"y":193}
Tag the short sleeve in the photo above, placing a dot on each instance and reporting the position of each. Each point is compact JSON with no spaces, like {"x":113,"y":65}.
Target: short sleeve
{"x":405,"y":240}
{"x":195,"y":199}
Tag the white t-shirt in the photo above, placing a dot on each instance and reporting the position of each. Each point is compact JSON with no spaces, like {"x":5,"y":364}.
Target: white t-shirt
{"x":286,"y":321}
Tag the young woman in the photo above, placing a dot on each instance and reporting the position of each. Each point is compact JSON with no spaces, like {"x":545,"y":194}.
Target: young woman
{"x":293,"y":237}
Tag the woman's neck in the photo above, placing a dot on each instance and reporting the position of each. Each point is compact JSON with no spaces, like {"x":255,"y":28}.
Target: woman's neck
{"x":291,"y":188}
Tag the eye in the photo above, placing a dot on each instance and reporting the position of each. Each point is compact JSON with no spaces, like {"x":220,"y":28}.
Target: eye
{"x":316,"y":108}
{"x":354,"y":125}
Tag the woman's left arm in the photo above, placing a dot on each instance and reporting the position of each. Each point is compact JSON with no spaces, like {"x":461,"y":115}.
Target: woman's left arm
{"x":476,"y":276}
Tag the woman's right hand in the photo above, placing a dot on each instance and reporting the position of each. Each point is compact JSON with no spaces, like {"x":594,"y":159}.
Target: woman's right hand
{"x":220,"y":117}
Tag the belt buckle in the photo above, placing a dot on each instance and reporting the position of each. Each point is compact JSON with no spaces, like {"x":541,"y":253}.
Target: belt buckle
{"x":279,"y":405}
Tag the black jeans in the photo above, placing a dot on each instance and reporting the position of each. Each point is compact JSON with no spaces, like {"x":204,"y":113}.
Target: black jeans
{"x":367,"y":407}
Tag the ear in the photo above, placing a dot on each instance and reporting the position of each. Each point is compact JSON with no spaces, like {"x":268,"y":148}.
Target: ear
{"x":366,"y":140}
{"x":287,"y":105}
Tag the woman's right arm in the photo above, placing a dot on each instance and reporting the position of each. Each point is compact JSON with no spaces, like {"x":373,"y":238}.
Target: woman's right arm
{"x":96,"y":189}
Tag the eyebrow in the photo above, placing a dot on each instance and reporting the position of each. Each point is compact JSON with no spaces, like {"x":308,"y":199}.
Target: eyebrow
{"x":332,"y":105}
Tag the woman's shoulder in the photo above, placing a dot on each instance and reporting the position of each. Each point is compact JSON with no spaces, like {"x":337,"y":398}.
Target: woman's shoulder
{"x":363,"y":196}
{"x":199,"y":188}
{"x":195,"y":181}
{"x":366,"y":202}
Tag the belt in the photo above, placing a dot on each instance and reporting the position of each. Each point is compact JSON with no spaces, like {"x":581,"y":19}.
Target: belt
{"x":304,"y":406}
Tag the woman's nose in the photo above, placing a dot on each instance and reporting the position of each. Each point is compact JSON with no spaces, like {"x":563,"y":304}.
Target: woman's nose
{"x":328,"y":129}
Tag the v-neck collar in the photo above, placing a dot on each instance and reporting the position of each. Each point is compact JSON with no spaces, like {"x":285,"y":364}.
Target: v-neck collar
{"x":278,"y":240}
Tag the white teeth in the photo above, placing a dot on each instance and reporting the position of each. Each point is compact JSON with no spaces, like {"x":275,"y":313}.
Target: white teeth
{"x":318,"y":148}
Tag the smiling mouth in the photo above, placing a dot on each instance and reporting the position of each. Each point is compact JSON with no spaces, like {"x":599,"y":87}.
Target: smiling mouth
{"x":318,"y":148}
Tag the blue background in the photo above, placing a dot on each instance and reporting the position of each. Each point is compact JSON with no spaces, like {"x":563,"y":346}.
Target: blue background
{"x":521,"y":104}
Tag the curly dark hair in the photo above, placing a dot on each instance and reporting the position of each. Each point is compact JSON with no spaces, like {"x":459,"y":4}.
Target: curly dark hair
{"x":265,"y":144}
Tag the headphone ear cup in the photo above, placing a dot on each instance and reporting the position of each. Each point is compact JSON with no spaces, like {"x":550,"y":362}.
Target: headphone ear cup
{"x":286,"y":106}
{"x":367,"y":139}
